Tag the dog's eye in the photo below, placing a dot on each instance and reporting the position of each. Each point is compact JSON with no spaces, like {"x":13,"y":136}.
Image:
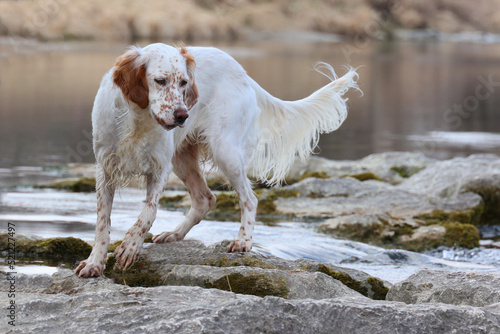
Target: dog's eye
{"x":183,"y":83}
{"x":161,"y":82}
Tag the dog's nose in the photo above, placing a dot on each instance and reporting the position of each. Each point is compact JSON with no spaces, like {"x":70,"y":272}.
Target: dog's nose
{"x":180,"y":116}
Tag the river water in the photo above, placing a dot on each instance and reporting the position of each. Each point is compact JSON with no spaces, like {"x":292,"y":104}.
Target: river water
{"x":435,"y":97}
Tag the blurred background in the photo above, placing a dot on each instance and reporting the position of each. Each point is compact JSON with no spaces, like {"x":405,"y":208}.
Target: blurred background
{"x":429,"y":68}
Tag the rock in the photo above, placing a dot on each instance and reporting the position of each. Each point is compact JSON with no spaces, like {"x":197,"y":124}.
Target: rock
{"x":455,"y":288}
{"x":297,"y":284}
{"x":191,"y":263}
{"x":54,"y":248}
{"x":182,"y":309}
{"x":392,"y":167}
{"x":478,"y":173}
{"x":86,"y":184}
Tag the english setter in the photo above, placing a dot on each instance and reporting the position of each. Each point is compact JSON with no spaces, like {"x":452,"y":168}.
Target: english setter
{"x":162,"y":108}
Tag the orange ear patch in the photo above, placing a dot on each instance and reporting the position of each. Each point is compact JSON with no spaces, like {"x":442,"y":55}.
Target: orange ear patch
{"x":191,"y":94}
{"x":131,"y":78}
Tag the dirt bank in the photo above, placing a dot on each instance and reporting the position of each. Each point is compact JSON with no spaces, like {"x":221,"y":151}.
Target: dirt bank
{"x":237,"y":19}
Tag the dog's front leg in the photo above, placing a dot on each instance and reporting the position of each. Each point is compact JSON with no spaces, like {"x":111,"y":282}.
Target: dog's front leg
{"x":128,"y":252}
{"x":94,"y":265}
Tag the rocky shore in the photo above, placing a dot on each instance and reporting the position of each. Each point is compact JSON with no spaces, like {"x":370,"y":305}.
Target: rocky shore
{"x":395,"y":199}
{"x":186,"y":287}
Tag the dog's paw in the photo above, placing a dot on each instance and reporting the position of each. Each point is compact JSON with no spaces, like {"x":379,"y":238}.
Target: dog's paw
{"x":240,"y":246}
{"x":128,"y":252}
{"x":165,"y":237}
{"x":90,"y":268}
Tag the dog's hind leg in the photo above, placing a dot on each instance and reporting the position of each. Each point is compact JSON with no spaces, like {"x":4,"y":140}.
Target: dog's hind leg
{"x":231,"y":161}
{"x":94,"y":265}
{"x":186,"y":167}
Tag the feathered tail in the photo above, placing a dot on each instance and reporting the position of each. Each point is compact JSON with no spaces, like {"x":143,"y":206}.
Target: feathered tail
{"x":291,"y":128}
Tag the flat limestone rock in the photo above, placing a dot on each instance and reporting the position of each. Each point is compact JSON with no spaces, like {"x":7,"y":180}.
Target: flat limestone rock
{"x":182,"y":309}
{"x":455,"y":288}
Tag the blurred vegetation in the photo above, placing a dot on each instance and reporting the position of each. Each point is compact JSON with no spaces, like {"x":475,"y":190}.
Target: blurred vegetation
{"x":237,"y":19}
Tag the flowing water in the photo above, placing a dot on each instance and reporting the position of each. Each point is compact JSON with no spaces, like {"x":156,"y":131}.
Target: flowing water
{"x":435,"y":97}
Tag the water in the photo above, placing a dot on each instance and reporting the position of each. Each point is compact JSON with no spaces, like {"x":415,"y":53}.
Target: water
{"x":410,"y":90}
{"x":412,"y":97}
{"x":50,"y":213}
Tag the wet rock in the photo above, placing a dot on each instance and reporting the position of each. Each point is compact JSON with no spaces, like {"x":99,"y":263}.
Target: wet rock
{"x":191,"y":263}
{"x":86,"y":184}
{"x":456,"y":288}
{"x":181,"y":309}
{"x":54,"y":248}
{"x":392,"y":167}
{"x":478,"y":173}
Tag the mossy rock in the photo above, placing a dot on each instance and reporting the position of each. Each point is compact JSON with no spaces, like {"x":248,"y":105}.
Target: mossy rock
{"x":227,"y":203}
{"x":364,"y":176}
{"x":491,"y":199}
{"x":85,"y":185}
{"x":379,"y":289}
{"x":344,"y":278}
{"x":316,"y":174}
{"x":257,"y":284}
{"x":138,"y":275}
{"x":472,"y":216}
{"x":218,"y":183}
{"x":65,"y":248}
{"x":55,"y":248}
{"x":456,"y":234}
{"x":461,"y":235}
{"x":406,"y":171}
{"x":246,"y":261}
{"x":171,"y":201}
{"x":373,"y":288}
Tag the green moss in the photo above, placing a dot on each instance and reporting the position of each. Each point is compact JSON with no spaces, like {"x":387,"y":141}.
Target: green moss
{"x":218,"y":183}
{"x":286,"y":193}
{"x":114,"y":246}
{"x":378,"y":288}
{"x":364,"y":176}
{"x":257,"y":285}
{"x":245,"y":261}
{"x":148,"y":238}
{"x":319,"y":175}
{"x":462,"y":235}
{"x":491,"y":199}
{"x":171,"y":201}
{"x":346,"y":279}
{"x":138,"y":275}
{"x":86,"y":184}
{"x":472,"y":216}
{"x":456,"y":234}
{"x":266,"y":206}
{"x":406,"y":171}
{"x":54,"y":248}
{"x":227,"y":202}
{"x":65,"y":247}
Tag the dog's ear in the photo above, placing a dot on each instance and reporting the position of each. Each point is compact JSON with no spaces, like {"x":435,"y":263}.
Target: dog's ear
{"x":191,"y":92}
{"x":130,"y":76}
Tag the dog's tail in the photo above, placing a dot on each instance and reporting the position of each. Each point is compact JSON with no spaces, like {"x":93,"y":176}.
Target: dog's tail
{"x":291,"y":128}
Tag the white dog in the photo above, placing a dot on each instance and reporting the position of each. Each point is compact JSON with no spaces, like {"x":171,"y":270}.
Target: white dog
{"x":218,"y":113}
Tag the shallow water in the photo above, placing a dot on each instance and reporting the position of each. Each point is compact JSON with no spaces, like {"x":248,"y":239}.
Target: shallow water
{"x":50,"y":213}
{"x":411,"y":102}
{"x":411,"y":94}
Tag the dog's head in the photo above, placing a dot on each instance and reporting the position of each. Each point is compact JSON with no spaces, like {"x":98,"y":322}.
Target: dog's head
{"x":159,"y":78}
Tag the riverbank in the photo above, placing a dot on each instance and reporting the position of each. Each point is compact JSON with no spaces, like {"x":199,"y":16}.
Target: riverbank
{"x":186,"y":287}
{"x":370,"y":214}
{"x":197,"y":20}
